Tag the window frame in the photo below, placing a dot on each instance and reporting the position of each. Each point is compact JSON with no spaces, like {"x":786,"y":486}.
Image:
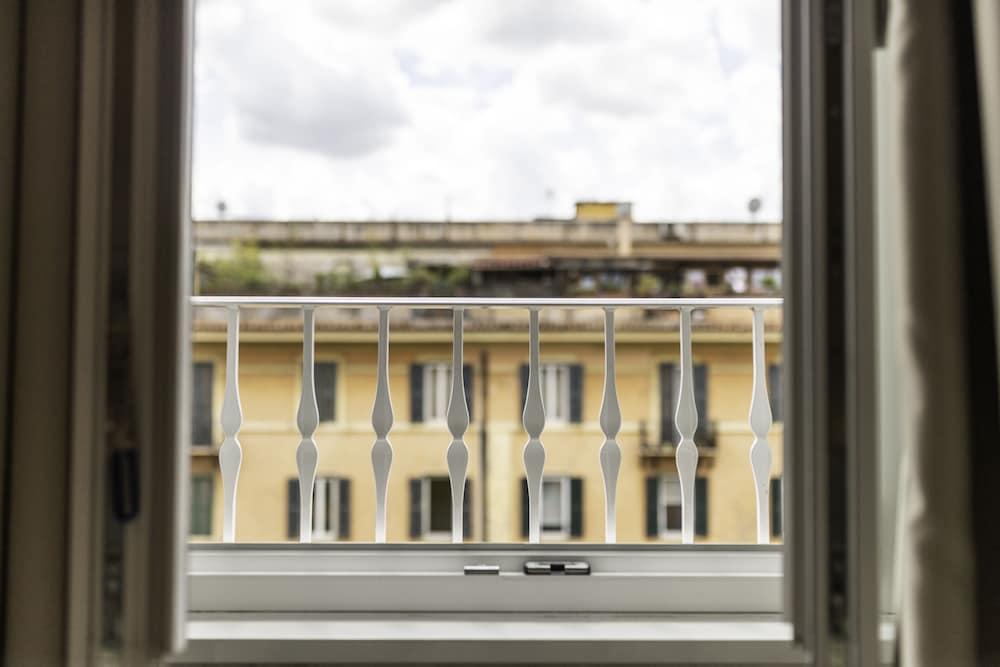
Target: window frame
{"x":565,"y":507}
{"x":426,"y":511}
{"x":436,"y":392}
{"x":327,"y":482}
{"x":809,"y":140}
{"x":664,"y":532}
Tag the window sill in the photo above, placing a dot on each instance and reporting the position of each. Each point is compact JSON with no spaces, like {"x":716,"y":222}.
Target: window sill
{"x":490,"y":638}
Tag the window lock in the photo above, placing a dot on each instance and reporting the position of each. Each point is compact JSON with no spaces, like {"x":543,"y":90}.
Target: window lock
{"x":557,"y":567}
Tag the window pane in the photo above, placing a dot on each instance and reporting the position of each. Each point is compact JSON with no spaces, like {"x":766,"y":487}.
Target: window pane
{"x":440,"y":505}
{"x":201,"y":505}
{"x":673,"y":517}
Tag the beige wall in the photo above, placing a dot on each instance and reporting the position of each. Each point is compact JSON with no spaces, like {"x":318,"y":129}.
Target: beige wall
{"x":270,"y":366}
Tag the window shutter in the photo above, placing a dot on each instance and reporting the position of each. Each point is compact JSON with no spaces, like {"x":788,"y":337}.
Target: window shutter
{"x":416,"y":522}
{"x":701,"y":400}
{"x":524,"y":390}
{"x":653,"y":503}
{"x":467,"y":510}
{"x":201,"y":409}
{"x":344,"y":518}
{"x":776,"y":507}
{"x":576,"y":393}
{"x":524,"y":507}
{"x":576,"y":507}
{"x":667,"y":434}
{"x":416,"y":392}
{"x":701,"y":506}
{"x":201,"y":504}
{"x":774,"y":390}
{"x":293,"y":509}
{"x":325,"y":374}
{"x":467,"y":380}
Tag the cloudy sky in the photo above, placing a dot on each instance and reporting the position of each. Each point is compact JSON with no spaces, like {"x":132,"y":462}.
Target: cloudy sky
{"x":486,"y":109}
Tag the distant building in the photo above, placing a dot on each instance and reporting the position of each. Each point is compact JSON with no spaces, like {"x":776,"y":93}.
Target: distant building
{"x":600,"y":252}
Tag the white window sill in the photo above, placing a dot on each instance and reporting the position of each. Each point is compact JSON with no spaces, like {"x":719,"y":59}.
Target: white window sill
{"x":490,"y":638}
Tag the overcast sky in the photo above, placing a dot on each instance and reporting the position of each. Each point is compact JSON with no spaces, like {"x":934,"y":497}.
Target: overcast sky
{"x":486,"y":109}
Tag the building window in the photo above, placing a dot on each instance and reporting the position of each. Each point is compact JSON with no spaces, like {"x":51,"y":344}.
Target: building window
{"x":562,"y":391}
{"x":325,"y":377}
{"x":776,"y":508}
{"x":774,"y":391}
{"x":430,"y":391}
{"x":202,"y":487}
{"x":664,"y":510}
{"x":430,"y":508}
{"x":562,"y":507}
{"x":331,"y":515}
{"x":201,"y":406}
{"x":670,"y":383}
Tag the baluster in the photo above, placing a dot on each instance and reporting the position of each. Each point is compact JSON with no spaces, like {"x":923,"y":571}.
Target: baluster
{"x":760,"y":424}
{"x":611,"y":422}
{"x":307,"y":454}
{"x":686,"y":420}
{"x":458,"y":422}
{"x":533,"y":419}
{"x":230,"y":453}
{"x":382,"y":423}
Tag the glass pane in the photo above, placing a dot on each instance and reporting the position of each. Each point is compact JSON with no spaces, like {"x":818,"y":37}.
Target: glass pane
{"x":490,"y":149}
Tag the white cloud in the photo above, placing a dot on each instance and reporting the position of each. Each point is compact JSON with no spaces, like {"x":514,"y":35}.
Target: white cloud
{"x":486,"y":108}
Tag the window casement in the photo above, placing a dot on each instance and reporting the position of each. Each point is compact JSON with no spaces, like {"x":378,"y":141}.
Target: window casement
{"x":664,"y":508}
{"x":562,"y":391}
{"x":202,"y":412}
{"x":331,"y":510}
{"x":202,"y":492}
{"x":430,"y":508}
{"x":430,"y":390}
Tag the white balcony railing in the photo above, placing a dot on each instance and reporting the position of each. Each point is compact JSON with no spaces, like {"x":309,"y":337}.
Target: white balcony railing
{"x":533,"y":418}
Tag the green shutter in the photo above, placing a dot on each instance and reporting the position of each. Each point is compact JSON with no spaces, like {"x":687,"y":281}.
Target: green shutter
{"x":575,"y":393}
{"x":576,"y":507}
{"x":667,"y":431}
{"x":325,"y":376}
{"x":344,"y":520}
{"x":652,"y":506}
{"x":201,"y":406}
{"x":201,"y":504}
{"x":293,"y":509}
{"x":416,"y":516}
{"x":776,"y":507}
{"x":416,"y":392}
{"x":701,"y":506}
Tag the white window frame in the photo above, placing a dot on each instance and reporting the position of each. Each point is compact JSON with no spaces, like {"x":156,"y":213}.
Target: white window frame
{"x":555,"y":386}
{"x":436,"y":379}
{"x":565,"y":507}
{"x":803,"y":25}
{"x":326,"y":489}
{"x":425,"y":509}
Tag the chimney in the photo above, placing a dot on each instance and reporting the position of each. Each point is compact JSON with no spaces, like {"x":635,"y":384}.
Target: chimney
{"x":623,"y":229}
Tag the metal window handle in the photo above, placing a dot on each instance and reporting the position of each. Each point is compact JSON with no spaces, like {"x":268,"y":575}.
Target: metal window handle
{"x":481,"y":569}
{"x":557,"y":567}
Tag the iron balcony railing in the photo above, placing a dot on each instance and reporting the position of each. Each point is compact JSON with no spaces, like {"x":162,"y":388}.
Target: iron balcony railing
{"x":533,"y":417}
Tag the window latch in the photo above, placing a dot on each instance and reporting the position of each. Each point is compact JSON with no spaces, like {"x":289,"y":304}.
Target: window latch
{"x":557,"y":567}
